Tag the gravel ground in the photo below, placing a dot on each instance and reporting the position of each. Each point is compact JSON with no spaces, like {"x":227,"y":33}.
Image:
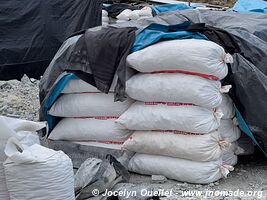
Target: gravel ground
{"x":20,"y":99}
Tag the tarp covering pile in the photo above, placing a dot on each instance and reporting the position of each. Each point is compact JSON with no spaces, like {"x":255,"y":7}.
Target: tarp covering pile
{"x":31,"y":32}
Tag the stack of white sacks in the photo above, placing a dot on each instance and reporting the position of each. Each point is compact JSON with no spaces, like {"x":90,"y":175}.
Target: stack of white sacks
{"x":182,"y":119}
{"x":89,"y":116}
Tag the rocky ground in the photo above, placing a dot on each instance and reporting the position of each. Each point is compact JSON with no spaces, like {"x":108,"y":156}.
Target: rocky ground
{"x":20,"y":99}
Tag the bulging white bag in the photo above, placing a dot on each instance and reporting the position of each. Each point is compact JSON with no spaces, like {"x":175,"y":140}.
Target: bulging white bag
{"x":88,"y":105}
{"x":23,"y":130}
{"x":80,"y":86}
{"x":229,"y":157}
{"x":193,"y":56}
{"x":229,"y":130}
{"x":230,"y":154}
{"x":205,"y":147}
{"x":124,"y":15}
{"x":175,"y":87}
{"x":170,"y":116}
{"x":227,"y":107}
{"x":179,"y":169}
{"x":78,"y":129}
{"x":104,"y":13}
{"x":38,"y":173}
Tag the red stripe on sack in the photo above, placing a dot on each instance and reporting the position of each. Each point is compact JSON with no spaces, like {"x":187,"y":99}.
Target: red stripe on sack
{"x":97,"y":141}
{"x":98,"y":117}
{"x":178,"y":132}
{"x":207,"y":76}
{"x":168,"y":104}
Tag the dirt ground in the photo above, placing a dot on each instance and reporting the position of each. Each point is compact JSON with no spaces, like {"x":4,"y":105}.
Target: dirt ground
{"x":20,"y":99}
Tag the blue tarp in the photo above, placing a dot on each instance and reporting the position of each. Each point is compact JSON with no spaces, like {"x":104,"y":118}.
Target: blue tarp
{"x":170,"y":7}
{"x":247,"y":6}
{"x":158,"y":32}
{"x":53,"y":97}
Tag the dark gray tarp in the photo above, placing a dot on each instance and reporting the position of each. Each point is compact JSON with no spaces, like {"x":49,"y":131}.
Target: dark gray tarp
{"x":250,"y":66}
{"x":32,"y":31}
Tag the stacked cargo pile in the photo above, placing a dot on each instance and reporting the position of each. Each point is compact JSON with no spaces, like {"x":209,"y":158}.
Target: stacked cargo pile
{"x":88,"y":116}
{"x":178,"y":131}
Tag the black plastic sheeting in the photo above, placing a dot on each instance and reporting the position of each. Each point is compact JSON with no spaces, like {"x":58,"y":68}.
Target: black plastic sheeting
{"x":250,"y":94}
{"x":32,"y":31}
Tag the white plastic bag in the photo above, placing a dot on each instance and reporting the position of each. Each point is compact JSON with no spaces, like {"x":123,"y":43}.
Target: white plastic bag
{"x":38,"y":173}
{"x":229,"y":130}
{"x":176,"y":87}
{"x":198,"y":57}
{"x":80,"y":86}
{"x":195,"y":147}
{"x":179,"y":169}
{"x":23,"y":130}
{"x":170,"y":116}
{"x":227,"y":107}
{"x":88,"y":105}
{"x":77,"y":129}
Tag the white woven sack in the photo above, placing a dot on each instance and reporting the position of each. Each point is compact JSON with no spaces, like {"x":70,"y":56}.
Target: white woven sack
{"x":80,"y":86}
{"x":229,"y":130}
{"x":170,"y":116}
{"x":229,"y":157}
{"x":179,"y":169}
{"x":124,"y":15}
{"x":204,"y":147}
{"x":23,"y":130}
{"x":38,"y":173}
{"x":227,"y":107}
{"x":104,"y":13}
{"x":88,"y":105}
{"x":198,"y":57}
{"x":77,"y":129}
{"x":176,"y":87}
